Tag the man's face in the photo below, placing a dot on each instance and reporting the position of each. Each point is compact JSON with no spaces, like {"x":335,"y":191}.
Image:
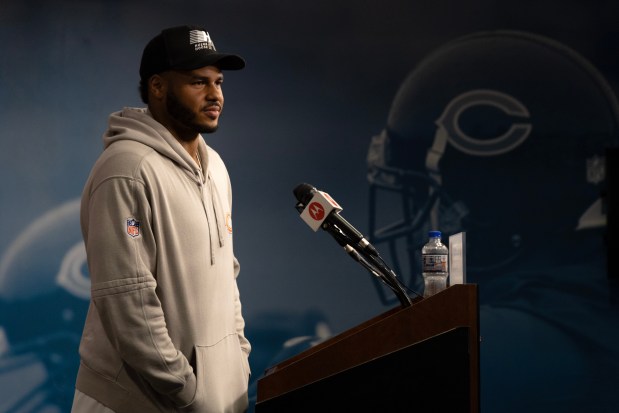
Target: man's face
{"x":194,"y":100}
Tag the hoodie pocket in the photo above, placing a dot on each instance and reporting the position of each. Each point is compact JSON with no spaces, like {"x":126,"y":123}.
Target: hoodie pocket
{"x":222,"y":375}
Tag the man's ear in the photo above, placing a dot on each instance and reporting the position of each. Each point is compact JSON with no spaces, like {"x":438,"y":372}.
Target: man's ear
{"x":157,"y":85}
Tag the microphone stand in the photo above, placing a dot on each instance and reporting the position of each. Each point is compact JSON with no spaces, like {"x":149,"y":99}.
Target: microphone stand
{"x":372,"y":263}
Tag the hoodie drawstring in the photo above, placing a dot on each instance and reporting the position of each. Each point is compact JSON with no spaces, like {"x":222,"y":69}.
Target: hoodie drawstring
{"x":218,"y":213}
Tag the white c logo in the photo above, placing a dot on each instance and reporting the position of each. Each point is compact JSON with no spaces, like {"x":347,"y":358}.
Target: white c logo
{"x":517,"y":133}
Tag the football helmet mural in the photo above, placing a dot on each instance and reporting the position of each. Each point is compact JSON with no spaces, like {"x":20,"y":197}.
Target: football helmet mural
{"x":497,"y":134}
{"x":44,"y":292}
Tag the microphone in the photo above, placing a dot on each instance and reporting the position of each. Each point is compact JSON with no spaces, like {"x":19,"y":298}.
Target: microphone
{"x":318,"y":210}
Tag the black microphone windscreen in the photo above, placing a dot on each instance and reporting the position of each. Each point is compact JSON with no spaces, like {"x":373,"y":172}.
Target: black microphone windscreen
{"x":304,"y":192}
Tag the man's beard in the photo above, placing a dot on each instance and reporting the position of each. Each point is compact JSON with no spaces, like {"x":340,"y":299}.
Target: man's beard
{"x":184,"y":116}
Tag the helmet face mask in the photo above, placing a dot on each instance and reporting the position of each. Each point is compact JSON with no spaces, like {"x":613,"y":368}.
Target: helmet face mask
{"x":500,"y":135}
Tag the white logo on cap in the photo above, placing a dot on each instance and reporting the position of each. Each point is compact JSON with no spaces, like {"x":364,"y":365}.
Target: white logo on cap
{"x":201,"y":40}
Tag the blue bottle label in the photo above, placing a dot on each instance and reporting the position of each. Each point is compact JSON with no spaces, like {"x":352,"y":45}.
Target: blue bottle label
{"x":435,"y":263}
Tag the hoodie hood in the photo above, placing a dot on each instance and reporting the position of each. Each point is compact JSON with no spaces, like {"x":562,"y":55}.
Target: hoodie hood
{"x":137,"y":124}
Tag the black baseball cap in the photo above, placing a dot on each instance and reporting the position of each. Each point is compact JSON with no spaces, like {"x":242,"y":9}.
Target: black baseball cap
{"x":184,"y":48}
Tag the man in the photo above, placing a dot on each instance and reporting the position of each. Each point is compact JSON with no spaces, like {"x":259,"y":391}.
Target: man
{"x":164,"y":330}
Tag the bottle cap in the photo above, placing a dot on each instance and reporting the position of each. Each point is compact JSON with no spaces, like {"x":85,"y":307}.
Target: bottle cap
{"x":434,"y":234}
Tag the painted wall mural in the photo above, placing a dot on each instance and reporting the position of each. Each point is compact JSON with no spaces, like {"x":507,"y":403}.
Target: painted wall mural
{"x":459,"y":117}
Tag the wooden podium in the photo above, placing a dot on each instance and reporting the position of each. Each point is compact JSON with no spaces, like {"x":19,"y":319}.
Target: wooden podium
{"x":421,"y":358}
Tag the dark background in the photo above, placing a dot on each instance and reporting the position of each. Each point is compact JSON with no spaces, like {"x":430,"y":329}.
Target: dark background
{"x":319,"y":83}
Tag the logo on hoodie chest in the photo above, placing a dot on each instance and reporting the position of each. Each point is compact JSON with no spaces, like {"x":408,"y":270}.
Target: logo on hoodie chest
{"x":229,"y":223}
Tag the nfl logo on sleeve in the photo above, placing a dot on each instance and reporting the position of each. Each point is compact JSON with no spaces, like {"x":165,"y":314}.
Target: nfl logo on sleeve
{"x":133,"y":227}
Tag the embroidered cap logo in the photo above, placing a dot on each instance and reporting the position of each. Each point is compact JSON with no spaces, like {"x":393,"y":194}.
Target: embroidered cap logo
{"x":201,"y":40}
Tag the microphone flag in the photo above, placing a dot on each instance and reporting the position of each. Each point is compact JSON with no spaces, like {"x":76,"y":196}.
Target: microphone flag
{"x":318,"y":209}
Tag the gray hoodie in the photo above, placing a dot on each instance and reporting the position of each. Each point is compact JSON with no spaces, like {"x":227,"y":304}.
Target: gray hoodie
{"x":164,"y":331}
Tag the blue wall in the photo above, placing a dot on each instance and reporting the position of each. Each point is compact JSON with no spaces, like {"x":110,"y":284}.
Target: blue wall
{"x":320,"y":81}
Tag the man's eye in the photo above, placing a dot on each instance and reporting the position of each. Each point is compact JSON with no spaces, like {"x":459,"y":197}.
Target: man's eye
{"x":199,"y":83}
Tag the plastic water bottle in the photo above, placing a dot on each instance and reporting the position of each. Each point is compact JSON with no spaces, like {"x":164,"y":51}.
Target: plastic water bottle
{"x":435,"y":264}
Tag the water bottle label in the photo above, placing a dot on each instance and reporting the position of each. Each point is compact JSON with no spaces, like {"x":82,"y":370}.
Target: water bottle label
{"x":435,"y":263}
